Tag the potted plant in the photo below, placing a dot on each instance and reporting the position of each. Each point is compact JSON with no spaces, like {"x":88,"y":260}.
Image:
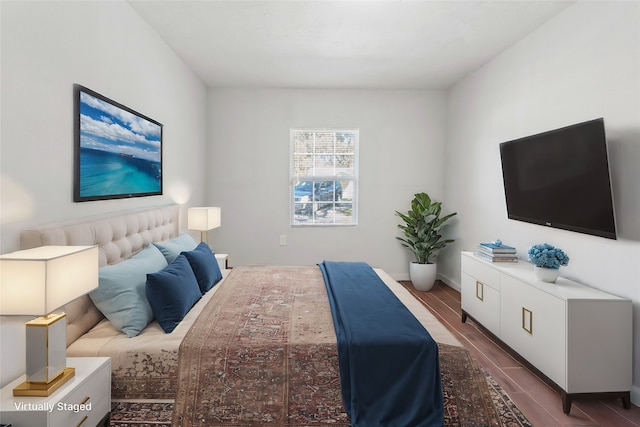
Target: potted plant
{"x":547,"y":260}
{"x":421,"y":229}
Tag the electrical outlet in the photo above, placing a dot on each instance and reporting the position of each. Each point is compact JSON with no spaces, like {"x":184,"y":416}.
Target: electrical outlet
{"x":283,"y":240}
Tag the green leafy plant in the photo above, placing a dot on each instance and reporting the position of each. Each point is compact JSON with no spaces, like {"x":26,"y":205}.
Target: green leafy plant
{"x":422,"y":226}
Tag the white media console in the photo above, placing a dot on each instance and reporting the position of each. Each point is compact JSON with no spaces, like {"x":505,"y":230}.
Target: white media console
{"x":578,"y":337}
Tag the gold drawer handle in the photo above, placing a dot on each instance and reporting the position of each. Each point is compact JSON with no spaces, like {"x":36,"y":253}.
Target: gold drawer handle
{"x":480,"y":290}
{"x":527,"y":320}
{"x":85,"y":400}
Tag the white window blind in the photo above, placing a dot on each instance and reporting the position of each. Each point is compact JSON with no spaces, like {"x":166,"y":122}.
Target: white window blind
{"x":324,"y":176}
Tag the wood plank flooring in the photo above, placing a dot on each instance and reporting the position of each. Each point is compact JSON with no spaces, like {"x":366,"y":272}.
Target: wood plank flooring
{"x":540,"y":403}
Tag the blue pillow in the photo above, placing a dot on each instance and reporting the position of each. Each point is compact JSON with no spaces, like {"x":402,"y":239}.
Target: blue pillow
{"x":205,"y":266}
{"x":172,"y":248}
{"x":172,"y":292}
{"x":121,"y":294}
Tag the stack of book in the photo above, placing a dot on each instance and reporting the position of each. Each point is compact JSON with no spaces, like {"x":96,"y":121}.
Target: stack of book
{"x":497,"y":252}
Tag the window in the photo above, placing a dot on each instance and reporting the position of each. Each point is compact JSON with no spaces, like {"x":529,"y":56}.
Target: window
{"x":324,"y":176}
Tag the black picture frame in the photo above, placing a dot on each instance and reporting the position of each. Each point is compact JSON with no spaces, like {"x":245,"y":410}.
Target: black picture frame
{"x":118,"y":151}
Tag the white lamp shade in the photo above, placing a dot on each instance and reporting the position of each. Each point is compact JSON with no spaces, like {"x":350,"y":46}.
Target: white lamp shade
{"x":204,"y":219}
{"x":39,"y":280}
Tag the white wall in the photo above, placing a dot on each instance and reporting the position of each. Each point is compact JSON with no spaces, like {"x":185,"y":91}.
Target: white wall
{"x":401,"y":153}
{"x":582,"y":64}
{"x":105,"y":46}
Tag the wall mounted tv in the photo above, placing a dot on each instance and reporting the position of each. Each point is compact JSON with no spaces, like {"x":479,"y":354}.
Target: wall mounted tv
{"x":560,"y":179}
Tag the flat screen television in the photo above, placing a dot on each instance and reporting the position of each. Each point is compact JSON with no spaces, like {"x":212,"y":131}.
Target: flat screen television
{"x":560,"y":179}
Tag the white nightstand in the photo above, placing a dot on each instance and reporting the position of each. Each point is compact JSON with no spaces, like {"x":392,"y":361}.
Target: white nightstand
{"x":223,"y":260}
{"x":85,"y":400}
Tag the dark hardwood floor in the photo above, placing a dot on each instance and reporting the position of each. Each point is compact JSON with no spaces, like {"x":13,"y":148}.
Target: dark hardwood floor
{"x":539,"y":402}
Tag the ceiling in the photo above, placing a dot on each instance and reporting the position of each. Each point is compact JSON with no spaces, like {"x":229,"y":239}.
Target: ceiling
{"x":341,"y":44}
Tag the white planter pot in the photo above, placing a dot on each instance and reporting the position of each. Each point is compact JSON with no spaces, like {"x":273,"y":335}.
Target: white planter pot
{"x":548,"y":275}
{"x":423,"y":276}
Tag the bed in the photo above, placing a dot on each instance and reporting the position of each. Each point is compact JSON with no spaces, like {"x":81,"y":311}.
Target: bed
{"x":259,"y":348}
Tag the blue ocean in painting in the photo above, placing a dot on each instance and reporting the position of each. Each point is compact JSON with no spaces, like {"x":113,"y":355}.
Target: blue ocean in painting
{"x":105,"y":173}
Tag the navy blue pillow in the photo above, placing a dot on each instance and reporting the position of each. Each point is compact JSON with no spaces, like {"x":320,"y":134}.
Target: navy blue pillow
{"x":172,"y":292}
{"x":205,"y":266}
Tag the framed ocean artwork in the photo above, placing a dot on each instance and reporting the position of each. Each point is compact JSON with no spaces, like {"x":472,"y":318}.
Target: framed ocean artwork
{"x":118,"y":152}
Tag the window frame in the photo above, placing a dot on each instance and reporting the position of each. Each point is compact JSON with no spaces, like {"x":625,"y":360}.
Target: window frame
{"x":353,"y":178}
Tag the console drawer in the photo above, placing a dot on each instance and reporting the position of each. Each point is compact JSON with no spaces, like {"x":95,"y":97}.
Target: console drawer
{"x":481,"y":271}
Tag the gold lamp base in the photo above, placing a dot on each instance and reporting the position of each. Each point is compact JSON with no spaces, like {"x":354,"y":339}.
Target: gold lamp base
{"x":44,"y":389}
{"x":204,"y":237}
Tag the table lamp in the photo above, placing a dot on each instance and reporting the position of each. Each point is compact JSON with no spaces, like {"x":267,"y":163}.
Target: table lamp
{"x":203,"y":220}
{"x":36,"y":282}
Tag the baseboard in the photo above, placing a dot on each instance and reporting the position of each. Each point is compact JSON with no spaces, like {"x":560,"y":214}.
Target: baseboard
{"x":449,"y":282}
{"x":635,"y":395}
{"x":404,"y":277}
{"x":400,"y":277}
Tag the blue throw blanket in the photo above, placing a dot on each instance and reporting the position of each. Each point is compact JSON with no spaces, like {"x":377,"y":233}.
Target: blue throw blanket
{"x":389,"y":365}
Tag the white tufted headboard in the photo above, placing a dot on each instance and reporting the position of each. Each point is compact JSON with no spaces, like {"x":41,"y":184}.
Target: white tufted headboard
{"x":118,"y":238}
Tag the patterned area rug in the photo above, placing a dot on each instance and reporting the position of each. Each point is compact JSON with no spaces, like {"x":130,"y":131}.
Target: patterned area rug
{"x":474,"y":400}
{"x":130,"y":413}
{"x":149,"y":413}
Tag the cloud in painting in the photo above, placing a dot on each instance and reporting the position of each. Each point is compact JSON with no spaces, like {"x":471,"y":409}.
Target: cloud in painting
{"x":106,"y":127}
{"x":133,"y":122}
